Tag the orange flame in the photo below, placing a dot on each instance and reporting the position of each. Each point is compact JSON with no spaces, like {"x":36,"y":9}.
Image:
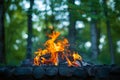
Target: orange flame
{"x":54,"y":48}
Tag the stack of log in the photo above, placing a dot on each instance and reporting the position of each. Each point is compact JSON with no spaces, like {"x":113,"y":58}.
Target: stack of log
{"x":50,"y":72}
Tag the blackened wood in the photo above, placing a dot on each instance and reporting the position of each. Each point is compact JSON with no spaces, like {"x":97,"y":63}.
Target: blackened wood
{"x":51,"y":70}
{"x":38,"y":72}
{"x":66,"y":71}
{"x":80,"y":72}
{"x":115,"y":70}
{"x":2,"y":71}
{"x":23,"y":71}
{"x":9,"y":71}
{"x":6,"y":73}
{"x":90,"y":70}
{"x":101,"y":71}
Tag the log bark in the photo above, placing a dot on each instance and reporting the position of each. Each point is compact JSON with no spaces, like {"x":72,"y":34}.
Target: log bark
{"x":109,"y":35}
{"x":29,"y":40}
{"x":71,"y":28}
{"x":51,"y":70}
{"x":38,"y":72}
{"x":66,"y":71}
{"x":94,"y":72}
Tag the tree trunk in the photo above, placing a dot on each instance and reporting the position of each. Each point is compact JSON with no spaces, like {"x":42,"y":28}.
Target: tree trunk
{"x":2,"y":33}
{"x":71,"y":28}
{"x":94,"y":31}
{"x":29,"y":40}
{"x":94,"y":39}
{"x":109,"y":33}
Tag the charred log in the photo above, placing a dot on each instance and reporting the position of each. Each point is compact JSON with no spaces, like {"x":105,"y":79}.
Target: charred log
{"x":38,"y":72}
{"x":61,"y":72}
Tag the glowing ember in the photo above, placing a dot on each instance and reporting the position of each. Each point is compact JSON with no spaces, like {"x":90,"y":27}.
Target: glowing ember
{"x":55,"y":50}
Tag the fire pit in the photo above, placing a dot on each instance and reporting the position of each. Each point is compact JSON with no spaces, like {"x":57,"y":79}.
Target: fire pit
{"x":57,"y":62}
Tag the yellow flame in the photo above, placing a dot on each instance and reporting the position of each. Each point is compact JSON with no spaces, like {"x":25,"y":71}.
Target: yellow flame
{"x":76,"y":56}
{"x":54,"y":47}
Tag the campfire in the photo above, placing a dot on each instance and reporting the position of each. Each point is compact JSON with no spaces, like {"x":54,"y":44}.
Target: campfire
{"x":53,"y":63}
{"x":57,"y":52}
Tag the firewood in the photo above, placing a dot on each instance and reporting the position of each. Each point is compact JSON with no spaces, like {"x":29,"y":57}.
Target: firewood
{"x":51,"y":70}
{"x":66,"y":71}
{"x":101,"y":71}
{"x":38,"y":72}
{"x":80,"y":72}
{"x":115,"y":70}
{"x":22,"y":71}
